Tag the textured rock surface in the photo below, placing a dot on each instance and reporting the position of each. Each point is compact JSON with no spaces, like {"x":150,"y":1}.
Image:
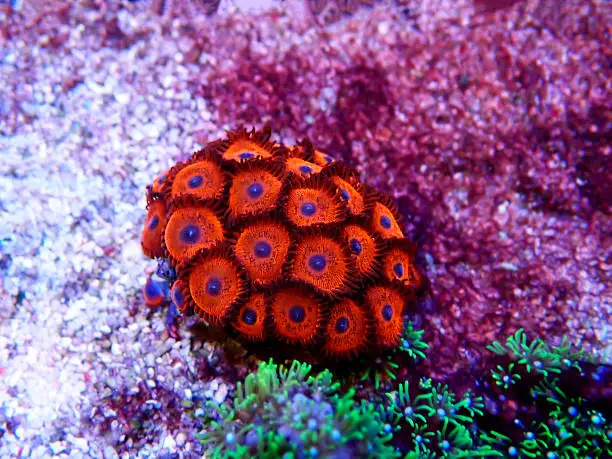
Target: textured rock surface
{"x":491,"y":127}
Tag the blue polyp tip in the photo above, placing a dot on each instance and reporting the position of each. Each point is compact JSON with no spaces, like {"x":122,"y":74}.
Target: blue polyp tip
{"x":385,"y":222}
{"x":154,"y":289}
{"x":342,"y":325}
{"x":308,"y":209}
{"x":190,"y":234}
{"x":249,"y":316}
{"x":255,"y":190}
{"x":153,"y":223}
{"x":305,"y":169}
{"x":213,"y":287}
{"x":195,"y":181}
{"x":297,"y":314}
{"x":355,"y":246}
{"x":262,"y":249}
{"x":246,"y":155}
{"x":344,"y":195}
{"x":387,"y":312}
{"x":317,"y":263}
{"x":398,"y":269}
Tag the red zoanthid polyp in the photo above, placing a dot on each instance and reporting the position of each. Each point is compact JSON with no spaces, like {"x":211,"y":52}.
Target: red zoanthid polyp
{"x":283,"y":244}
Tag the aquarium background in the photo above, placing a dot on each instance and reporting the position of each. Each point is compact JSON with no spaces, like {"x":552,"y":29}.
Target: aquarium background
{"x":489,"y":122}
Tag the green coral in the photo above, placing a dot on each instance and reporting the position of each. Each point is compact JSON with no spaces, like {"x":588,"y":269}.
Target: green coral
{"x":385,"y":368}
{"x":538,"y":356}
{"x":571,"y":428}
{"x":286,"y":412}
{"x":289,"y":412}
{"x":437,"y":422}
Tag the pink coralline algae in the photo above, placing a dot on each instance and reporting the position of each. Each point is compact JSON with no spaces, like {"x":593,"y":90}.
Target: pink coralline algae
{"x":492,"y":126}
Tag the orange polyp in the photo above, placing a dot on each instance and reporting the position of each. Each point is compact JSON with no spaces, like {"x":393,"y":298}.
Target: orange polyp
{"x":398,"y":264}
{"x":297,"y":314}
{"x":202,"y":179}
{"x":216,"y":285}
{"x":386,"y":306}
{"x":302,"y":168}
{"x":354,"y":199}
{"x":250,"y":318}
{"x":347,"y":330}
{"x":251,"y":236}
{"x":189,"y":230}
{"x":304,"y":150}
{"x":243,"y":145}
{"x":243,"y":149}
{"x":349,"y":187}
{"x":323,"y":262}
{"x":153,"y":230}
{"x":156,"y":186}
{"x":314,"y":203}
{"x":262,"y":248}
{"x":255,"y":189}
{"x":322,"y":159}
{"x":365,"y":249}
{"x":154,"y":293}
{"x":179,"y":294}
{"x":385,"y":221}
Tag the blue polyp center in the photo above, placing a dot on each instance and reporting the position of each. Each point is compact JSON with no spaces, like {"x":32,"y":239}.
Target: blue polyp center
{"x":190,"y":234}
{"x":195,"y":181}
{"x":153,"y":223}
{"x":308,"y":209}
{"x":385,"y":222}
{"x":262,"y":249}
{"x":297,"y":314}
{"x":317,"y":263}
{"x":305,"y":169}
{"x":355,"y":246}
{"x":249,"y":316}
{"x":161,"y":179}
{"x":246,"y":155}
{"x":255,"y":190}
{"x":328,"y":159}
{"x":177,"y":297}
{"x":213,"y":287}
{"x":387,"y":312}
{"x":398,"y":269}
{"x":153,"y":289}
{"x":342,"y":325}
{"x":344,"y":194}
